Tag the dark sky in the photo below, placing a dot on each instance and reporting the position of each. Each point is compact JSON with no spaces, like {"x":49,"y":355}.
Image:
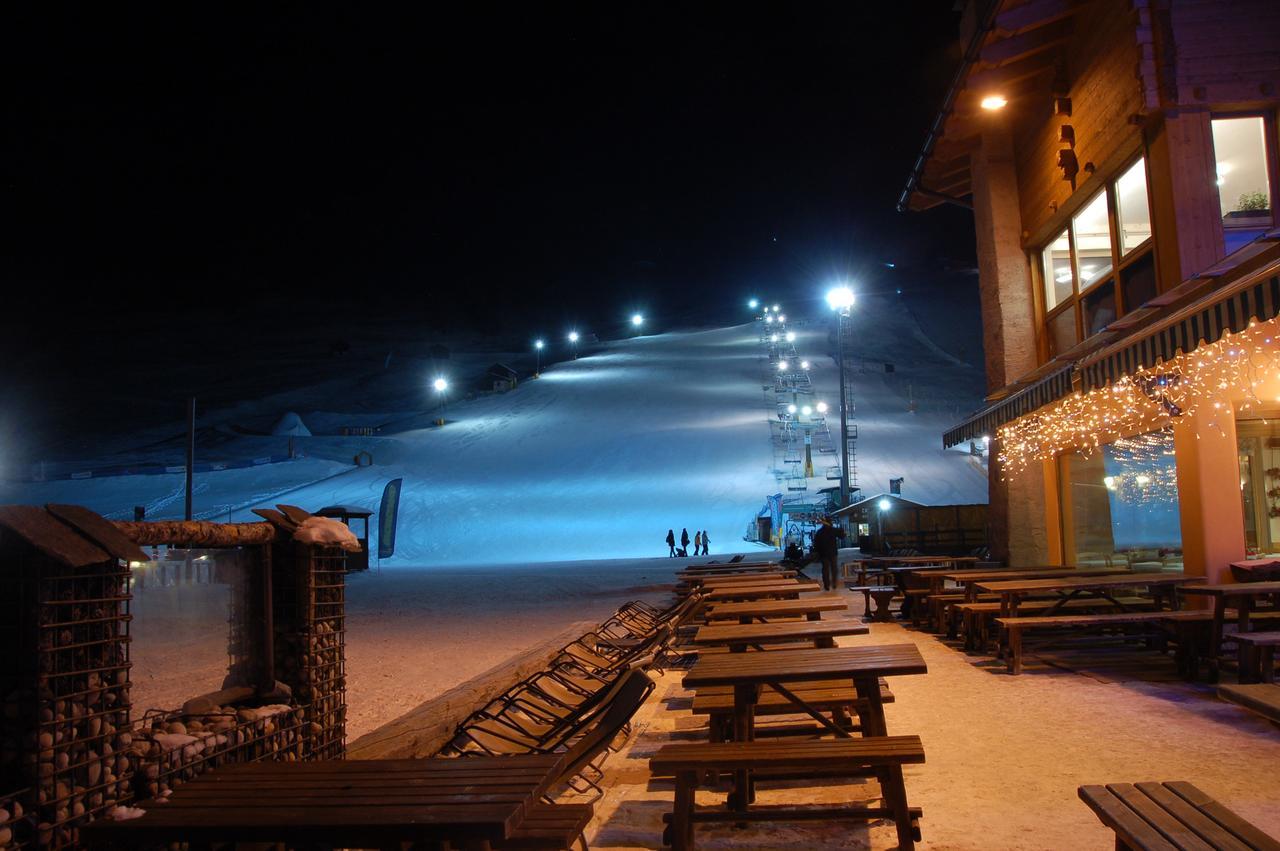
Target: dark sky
{"x":497,"y":165}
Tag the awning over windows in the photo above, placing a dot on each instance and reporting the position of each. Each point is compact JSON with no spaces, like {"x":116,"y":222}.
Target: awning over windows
{"x":1050,"y":388}
{"x":1244,"y":287}
{"x":1227,"y":310}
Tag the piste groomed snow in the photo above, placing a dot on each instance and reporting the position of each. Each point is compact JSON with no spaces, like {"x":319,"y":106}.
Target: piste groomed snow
{"x":596,"y":459}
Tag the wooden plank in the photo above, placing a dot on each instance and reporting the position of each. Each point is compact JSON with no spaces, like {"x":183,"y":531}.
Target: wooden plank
{"x":790,"y":665}
{"x":1204,"y":827}
{"x":773,"y":632}
{"x":99,"y":530}
{"x":1129,"y":827}
{"x":51,"y":536}
{"x":823,"y":753}
{"x":1262,"y":698}
{"x":1158,"y":817}
{"x":294,"y":513}
{"x":1242,"y":829}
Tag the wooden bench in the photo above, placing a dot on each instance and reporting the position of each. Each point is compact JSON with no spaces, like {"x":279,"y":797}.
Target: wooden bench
{"x":1258,"y":656}
{"x":838,"y":697}
{"x":1262,"y":698}
{"x":882,"y":595}
{"x":1015,"y":627}
{"x":549,"y":826}
{"x":979,"y":616}
{"x":1170,"y":816}
{"x":884,"y":756}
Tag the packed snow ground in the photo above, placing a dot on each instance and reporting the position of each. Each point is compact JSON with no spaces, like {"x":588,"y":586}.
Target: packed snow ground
{"x":597,"y":459}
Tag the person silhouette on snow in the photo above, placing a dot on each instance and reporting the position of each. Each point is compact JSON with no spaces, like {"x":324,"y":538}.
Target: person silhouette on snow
{"x":684,"y":541}
{"x":697,"y":543}
{"x":706,"y":543}
{"x":671,"y":542}
{"x":826,"y":545}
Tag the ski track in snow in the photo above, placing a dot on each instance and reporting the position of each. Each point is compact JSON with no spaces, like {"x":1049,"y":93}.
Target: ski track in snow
{"x":600,"y":456}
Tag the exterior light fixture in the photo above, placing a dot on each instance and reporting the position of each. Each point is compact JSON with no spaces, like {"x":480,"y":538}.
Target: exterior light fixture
{"x":791,"y":336}
{"x":822,"y":407}
{"x":440,"y":385}
{"x":782,"y":318}
{"x":768,"y":318}
{"x":782,"y":366}
{"x":993,"y":102}
{"x":804,"y":364}
{"x":776,"y":308}
{"x":773,"y":338}
{"x":884,"y":505}
{"x":637,"y":319}
{"x":753,"y":304}
{"x":806,"y":410}
{"x":791,"y":409}
{"x":538,"y":344}
{"x":840,"y":298}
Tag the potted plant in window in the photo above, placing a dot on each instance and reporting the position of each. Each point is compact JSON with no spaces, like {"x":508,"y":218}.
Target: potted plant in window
{"x":1251,"y":206}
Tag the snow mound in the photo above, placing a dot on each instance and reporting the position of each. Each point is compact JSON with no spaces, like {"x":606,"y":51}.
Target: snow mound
{"x":328,"y":532}
{"x":291,"y":425}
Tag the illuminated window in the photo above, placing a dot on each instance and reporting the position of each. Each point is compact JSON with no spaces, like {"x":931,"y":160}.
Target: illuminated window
{"x":1244,"y":182}
{"x":1057,"y":272}
{"x":1132,"y":207}
{"x":1092,"y":231}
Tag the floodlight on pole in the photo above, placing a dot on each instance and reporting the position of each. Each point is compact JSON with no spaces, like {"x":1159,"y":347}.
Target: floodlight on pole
{"x":768,"y":318}
{"x":884,"y":505}
{"x":537,"y":354}
{"x":776,"y":308}
{"x":573,"y":341}
{"x":782,"y":318}
{"x":637,"y":319}
{"x":753,"y":303}
{"x":791,"y":336}
{"x":806,"y":410}
{"x":804,"y":364}
{"x":441,"y":386}
{"x":782,"y":366}
{"x":822,"y":407}
{"x":773,"y":338}
{"x":841,"y":300}
{"x":791,"y":409}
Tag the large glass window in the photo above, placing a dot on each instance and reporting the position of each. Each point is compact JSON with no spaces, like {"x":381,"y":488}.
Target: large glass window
{"x":1057,"y":272}
{"x":1092,"y":231}
{"x":1120,"y":504}
{"x":1259,"y":455}
{"x":1244,"y":184}
{"x":1133,"y":210}
{"x":1103,"y":265}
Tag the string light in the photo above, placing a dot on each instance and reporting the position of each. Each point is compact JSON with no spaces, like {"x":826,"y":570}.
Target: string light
{"x":1218,"y":378}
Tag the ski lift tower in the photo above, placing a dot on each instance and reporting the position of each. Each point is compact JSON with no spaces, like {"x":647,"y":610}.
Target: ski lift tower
{"x":841,"y":300}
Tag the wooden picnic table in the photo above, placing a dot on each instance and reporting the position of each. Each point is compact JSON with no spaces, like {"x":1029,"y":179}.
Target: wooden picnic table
{"x":971,"y":581}
{"x":736,"y":579}
{"x":772,"y":590}
{"x":748,"y":672}
{"x":1072,"y":586}
{"x":740,"y":637}
{"x":744,"y":567}
{"x":811,"y":607}
{"x":356,"y":803}
{"x":1241,"y":596}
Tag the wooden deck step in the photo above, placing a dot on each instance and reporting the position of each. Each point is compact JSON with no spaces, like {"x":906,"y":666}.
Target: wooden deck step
{"x":1262,"y":698}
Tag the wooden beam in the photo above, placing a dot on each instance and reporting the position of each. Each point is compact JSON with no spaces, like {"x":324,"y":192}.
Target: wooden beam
{"x":1036,"y":13}
{"x":196,"y":533}
{"x":1010,"y":75}
{"x":1007,"y":51}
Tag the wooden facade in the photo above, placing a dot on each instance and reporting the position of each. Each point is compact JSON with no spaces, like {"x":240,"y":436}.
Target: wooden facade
{"x":1090,"y":88}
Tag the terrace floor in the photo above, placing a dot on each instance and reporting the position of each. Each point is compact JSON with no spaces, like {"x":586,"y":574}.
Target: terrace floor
{"x":1005,"y":754}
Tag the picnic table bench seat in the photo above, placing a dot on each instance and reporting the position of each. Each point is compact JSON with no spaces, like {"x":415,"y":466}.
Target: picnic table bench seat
{"x":1171,"y":816}
{"x":552,"y":827}
{"x":881,"y":595}
{"x":978,"y":616}
{"x":1258,"y":656}
{"x":1261,"y":698}
{"x":882,"y":755}
{"x":834,"y":696}
{"x":1015,"y":627}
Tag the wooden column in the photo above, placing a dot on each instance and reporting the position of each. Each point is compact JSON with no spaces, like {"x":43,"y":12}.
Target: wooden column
{"x":1186,"y":216}
{"x":1209,"y":503}
{"x":1017,"y":507}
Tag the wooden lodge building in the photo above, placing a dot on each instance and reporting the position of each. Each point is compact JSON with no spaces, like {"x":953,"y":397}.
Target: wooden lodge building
{"x":1121,"y":161}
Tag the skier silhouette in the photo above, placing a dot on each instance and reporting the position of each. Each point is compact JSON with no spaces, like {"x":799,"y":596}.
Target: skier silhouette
{"x":684,"y":542}
{"x":671,"y":542}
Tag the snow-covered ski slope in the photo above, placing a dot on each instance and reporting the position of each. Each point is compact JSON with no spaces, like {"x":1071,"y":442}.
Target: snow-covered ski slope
{"x":597,"y":458}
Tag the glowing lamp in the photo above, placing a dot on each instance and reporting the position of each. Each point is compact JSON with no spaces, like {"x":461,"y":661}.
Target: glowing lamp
{"x":753,"y":304}
{"x":822,"y":407}
{"x":637,"y":319}
{"x":776,"y":308}
{"x":440,"y":385}
{"x":884,"y":505}
{"x":993,"y":102}
{"x":773,"y":338}
{"x":840,"y":298}
{"x":573,"y":336}
{"x":768,"y":318}
{"x":791,"y":409}
{"x":782,"y":366}
{"x":538,"y":344}
{"x":806,"y":410}
{"x":782,"y":318}
{"x":804,"y":364}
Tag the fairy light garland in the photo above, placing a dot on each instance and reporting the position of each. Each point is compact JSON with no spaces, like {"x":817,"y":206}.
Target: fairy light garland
{"x":1223,"y":377}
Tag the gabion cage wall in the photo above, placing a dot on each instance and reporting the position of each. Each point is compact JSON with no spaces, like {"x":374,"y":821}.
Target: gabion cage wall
{"x":310,"y":620}
{"x":64,"y":685}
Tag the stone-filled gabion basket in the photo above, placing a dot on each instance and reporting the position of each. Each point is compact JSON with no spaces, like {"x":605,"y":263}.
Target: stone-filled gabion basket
{"x":173,"y":747}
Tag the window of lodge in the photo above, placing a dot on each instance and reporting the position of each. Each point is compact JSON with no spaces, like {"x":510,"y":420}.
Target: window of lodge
{"x":1240,"y":151}
{"x":1102,"y":265}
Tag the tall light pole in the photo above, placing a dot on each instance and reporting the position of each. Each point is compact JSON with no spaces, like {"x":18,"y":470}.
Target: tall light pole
{"x":442,"y":389}
{"x":537,"y":354}
{"x":573,"y":341}
{"x":841,"y":301}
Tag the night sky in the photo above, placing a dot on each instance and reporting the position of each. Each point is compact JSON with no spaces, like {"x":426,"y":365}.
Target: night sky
{"x":525,"y":154}
{"x":504,"y":168}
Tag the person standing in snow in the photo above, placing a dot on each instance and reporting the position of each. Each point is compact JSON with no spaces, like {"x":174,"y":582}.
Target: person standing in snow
{"x":826,"y":545}
{"x":697,"y":543}
{"x":706,"y":543}
{"x":671,"y":542}
{"x":684,"y":541}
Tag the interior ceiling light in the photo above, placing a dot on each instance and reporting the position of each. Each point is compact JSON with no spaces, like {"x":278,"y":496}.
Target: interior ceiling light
{"x":994,"y":102}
